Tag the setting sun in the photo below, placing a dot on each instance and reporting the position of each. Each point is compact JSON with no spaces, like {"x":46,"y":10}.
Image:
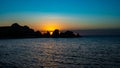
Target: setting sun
{"x":51,"y":25}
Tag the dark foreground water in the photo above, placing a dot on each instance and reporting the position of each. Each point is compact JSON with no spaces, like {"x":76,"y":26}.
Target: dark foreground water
{"x":85,"y":52}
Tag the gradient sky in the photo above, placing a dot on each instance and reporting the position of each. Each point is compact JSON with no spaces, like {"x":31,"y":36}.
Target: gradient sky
{"x":61,"y":14}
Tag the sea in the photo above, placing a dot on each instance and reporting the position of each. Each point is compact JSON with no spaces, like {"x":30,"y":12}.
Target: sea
{"x":83,"y":52}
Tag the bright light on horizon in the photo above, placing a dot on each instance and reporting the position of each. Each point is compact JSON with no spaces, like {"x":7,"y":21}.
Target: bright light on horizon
{"x":50,"y":25}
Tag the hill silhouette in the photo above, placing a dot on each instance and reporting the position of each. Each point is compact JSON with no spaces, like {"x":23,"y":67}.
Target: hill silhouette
{"x":18,"y":31}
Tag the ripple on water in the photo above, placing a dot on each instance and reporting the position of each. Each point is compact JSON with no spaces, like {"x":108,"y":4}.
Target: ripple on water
{"x":60,"y":53}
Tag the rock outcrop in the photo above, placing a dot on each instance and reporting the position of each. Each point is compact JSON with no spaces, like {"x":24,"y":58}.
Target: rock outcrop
{"x":18,"y":31}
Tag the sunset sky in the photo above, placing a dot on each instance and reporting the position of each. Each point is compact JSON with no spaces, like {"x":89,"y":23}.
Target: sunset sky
{"x":61,"y":14}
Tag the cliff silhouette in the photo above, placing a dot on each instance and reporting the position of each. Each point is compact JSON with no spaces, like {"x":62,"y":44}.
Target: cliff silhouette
{"x":18,"y":31}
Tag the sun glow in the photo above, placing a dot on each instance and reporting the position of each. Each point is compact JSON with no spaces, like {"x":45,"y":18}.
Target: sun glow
{"x":51,"y":25}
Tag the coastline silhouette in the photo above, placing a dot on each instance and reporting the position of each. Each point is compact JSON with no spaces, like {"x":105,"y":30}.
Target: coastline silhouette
{"x":18,"y":31}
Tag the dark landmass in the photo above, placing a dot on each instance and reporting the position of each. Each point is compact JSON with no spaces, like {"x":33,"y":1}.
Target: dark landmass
{"x":17,"y":31}
{"x":110,"y":32}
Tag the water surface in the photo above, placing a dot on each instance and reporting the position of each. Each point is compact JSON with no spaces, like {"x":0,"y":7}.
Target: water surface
{"x":85,"y":52}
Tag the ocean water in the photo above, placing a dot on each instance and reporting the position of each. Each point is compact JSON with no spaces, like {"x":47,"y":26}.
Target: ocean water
{"x":84,"y":52}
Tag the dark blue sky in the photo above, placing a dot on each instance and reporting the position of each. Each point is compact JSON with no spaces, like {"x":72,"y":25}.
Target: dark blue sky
{"x":108,"y":7}
{"x":84,"y":14}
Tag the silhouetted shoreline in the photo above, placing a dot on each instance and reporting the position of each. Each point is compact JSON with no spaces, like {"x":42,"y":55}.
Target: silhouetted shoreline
{"x":18,"y":31}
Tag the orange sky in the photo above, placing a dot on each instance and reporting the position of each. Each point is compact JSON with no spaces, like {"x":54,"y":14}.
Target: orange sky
{"x":52,"y":24}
